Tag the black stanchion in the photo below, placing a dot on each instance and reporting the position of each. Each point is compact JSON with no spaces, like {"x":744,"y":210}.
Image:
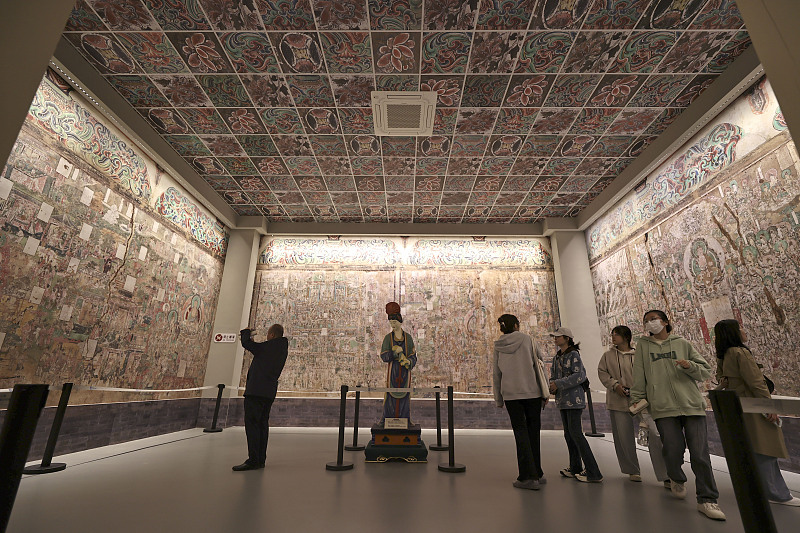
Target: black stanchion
{"x":747,"y":486}
{"x":340,"y":465}
{"x":24,"y":408}
{"x":47,"y":465}
{"x":438,"y":447}
{"x":594,"y":432}
{"x":355,"y":447}
{"x":214,"y":428}
{"x":452,"y":466}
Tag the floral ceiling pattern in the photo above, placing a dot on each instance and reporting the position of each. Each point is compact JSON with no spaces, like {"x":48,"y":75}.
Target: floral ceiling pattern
{"x":541,"y":103}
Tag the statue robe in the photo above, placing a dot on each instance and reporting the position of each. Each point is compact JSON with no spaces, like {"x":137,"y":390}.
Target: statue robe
{"x":398,"y":404}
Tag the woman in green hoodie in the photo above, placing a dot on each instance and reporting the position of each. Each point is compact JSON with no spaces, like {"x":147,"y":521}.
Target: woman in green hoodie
{"x":666,"y":369}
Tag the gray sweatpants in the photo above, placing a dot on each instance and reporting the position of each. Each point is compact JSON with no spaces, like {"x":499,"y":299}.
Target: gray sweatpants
{"x":624,"y":427}
{"x":678,"y":433}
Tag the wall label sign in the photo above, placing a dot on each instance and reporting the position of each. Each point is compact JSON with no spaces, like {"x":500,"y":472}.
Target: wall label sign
{"x":225,"y":337}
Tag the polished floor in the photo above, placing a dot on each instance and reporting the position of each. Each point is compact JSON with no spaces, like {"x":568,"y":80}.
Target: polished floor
{"x":183,"y":482}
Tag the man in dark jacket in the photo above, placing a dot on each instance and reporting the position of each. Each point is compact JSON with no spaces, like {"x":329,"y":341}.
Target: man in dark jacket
{"x":260,"y":391}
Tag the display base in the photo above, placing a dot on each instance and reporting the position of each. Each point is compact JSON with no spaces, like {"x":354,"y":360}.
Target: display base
{"x":336,"y":467}
{"x":396,"y":445}
{"x":455,"y":468}
{"x":212,"y":430}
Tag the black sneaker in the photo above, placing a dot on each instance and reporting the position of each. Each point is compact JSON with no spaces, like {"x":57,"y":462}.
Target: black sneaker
{"x":566,"y":472}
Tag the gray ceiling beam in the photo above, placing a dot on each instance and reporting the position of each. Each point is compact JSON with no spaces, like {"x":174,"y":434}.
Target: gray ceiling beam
{"x":406,"y":230}
{"x":29,"y":32}
{"x":773,"y":28}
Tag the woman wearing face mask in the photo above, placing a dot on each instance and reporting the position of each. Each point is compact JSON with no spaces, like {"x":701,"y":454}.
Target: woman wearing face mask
{"x":736,"y":364}
{"x":616,"y":373}
{"x":666,"y":369}
{"x":567,"y":376}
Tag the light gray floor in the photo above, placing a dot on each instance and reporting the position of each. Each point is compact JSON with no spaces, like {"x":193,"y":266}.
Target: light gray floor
{"x":183,"y":482}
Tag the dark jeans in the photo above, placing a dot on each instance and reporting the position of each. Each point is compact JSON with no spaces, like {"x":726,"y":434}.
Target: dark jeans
{"x":256,"y":426}
{"x":577,"y":445}
{"x":678,"y":432}
{"x":526,"y":421}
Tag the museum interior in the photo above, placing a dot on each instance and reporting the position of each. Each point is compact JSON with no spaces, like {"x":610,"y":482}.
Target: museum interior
{"x":177,"y":170}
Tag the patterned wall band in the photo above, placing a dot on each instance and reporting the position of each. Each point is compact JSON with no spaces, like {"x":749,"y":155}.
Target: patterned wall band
{"x":664,"y":191}
{"x":389,"y":253}
{"x":181,"y":210}
{"x":86,"y":136}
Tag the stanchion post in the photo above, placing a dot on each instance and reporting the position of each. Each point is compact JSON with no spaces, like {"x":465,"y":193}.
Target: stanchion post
{"x":745,"y":478}
{"x":340,"y":465}
{"x":438,"y":446}
{"x":214,"y":428}
{"x":355,"y":447}
{"x":594,"y":432}
{"x":47,"y":465}
{"x":452,"y":466}
{"x":24,"y":408}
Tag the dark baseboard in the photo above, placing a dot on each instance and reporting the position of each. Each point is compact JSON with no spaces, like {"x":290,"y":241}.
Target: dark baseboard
{"x":95,"y":425}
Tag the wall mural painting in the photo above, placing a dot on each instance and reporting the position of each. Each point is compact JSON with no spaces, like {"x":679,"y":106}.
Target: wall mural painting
{"x":728,"y":248}
{"x":101,"y":281}
{"x":330,"y":296}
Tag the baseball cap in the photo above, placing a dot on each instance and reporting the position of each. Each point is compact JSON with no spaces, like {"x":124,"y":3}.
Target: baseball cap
{"x":566,"y":332}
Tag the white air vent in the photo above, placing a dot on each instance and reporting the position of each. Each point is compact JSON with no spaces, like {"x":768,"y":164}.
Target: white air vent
{"x":397,"y":113}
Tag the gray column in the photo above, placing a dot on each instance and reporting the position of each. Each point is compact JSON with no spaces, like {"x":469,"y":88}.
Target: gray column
{"x":29,"y":32}
{"x":772,"y":25}
{"x":233,"y":311}
{"x":576,"y":303}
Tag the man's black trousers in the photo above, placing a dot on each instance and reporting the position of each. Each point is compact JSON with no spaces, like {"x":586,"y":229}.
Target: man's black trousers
{"x":256,"y":426}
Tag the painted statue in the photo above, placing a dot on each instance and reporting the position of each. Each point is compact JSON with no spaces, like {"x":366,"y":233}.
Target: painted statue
{"x":397,"y":350}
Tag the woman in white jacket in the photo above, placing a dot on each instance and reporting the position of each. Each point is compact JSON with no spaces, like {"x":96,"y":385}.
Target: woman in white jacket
{"x":516,"y":386}
{"x":616,"y":374}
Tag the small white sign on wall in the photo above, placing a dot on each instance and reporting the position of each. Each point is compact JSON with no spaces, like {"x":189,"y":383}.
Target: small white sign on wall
{"x":86,"y":231}
{"x":64,"y":167}
{"x":130,"y":283}
{"x":5,"y":188}
{"x":161,"y":294}
{"x":2,"y":338}
{"x":73,"y":265}
{"x":36,"y":295}
{"x":225,"y":337}
{"x":121,"y":249}
{"x":31,"y":246}
{"x":66,"y":313}
{"x":87,"y":196}
{"x":142,"y":253}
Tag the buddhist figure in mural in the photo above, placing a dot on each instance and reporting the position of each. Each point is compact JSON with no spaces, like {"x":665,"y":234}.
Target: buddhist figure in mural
{"x":397,"y":350}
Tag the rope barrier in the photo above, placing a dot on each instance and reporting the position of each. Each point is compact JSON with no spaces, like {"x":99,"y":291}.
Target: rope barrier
{"x":120,"y":389}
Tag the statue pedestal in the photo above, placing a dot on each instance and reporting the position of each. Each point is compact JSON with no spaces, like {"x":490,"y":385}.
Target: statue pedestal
{"x":396,"y":445}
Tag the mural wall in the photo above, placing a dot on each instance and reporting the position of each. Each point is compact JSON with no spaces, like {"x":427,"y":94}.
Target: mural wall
{"x":713,"y":234}
{"x":109,"y":272}
{"x":330,"y":295}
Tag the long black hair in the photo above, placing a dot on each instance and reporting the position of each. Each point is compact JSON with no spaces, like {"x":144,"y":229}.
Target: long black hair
{"x":727,"y":334}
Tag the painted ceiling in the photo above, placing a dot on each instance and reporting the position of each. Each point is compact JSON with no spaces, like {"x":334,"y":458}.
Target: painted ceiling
{"x":541,"y":103}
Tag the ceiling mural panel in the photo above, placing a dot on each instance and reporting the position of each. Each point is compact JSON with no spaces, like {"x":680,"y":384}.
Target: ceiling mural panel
{"x":540,"y":104}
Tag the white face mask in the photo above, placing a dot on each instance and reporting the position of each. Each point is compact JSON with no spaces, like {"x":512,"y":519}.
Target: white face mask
{"x":654,"y":326}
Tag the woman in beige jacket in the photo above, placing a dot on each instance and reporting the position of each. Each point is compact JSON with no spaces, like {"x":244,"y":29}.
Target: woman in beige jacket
{"x":616,"y":374}
{"x":737,"y":365}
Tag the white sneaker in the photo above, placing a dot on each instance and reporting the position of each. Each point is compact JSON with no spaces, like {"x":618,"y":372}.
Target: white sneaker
{"x":636,"y":478}
{"x":794,"y":502}
{"x":678,"y":489}
{"x":711,"y":510}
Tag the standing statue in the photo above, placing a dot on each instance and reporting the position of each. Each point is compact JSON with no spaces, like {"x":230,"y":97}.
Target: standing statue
{"x":397,"y":350}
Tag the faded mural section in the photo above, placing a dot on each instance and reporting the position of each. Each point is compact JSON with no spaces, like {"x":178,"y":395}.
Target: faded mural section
{"x":330,"y":296}
{"x":713,"y":234}
{"x":109,"y":273}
